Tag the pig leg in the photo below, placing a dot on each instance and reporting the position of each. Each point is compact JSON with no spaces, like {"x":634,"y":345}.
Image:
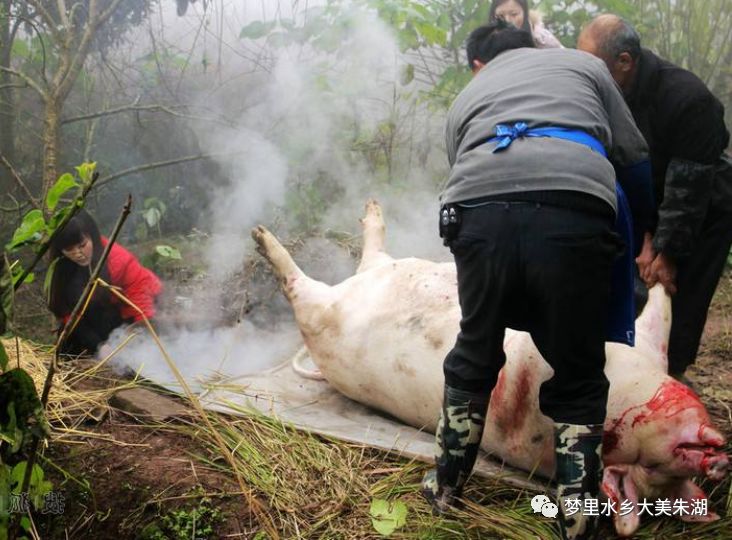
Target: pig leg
{"x":269,"y":247}
{"x":306,"y":295}
{"x":373,"y":238}
{"x":653,"y":327}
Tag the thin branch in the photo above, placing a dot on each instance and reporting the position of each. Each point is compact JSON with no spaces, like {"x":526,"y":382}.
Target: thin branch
{"x":30,"y":82}
{"x":19,"y":181}
{"x":109,"y":11}
{"x":33,"y":25}
{"x":51,"y":24}
{"x":159,"y":164}
{"x":149,"y":108}
{"x":94,"y":21}
{"x":4,"y":86}
{"x":191,"y":51}
{"x":61,"y":7}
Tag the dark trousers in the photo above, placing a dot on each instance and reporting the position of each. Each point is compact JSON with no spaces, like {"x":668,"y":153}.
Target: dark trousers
{"x":546,"y":270}
{"x":696,"y":281}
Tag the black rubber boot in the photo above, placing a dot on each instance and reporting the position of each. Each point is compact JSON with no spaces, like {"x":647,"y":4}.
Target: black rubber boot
{"x":578,"y":450}
{"x":458,"y":436}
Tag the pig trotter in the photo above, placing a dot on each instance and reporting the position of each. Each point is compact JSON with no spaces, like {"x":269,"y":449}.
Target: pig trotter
{"x":458,"y":436}
{"x":579,"y":470}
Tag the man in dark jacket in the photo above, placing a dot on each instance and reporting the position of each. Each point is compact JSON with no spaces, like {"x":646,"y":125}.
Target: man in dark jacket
{"x":683,"y":124}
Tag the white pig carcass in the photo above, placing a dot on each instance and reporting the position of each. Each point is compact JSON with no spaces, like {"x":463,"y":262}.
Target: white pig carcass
{"x":380,"y":338}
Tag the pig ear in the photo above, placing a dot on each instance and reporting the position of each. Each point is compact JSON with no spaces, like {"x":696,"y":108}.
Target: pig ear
{"x":695,"y":498}
{"x":619,"y":487}
{"x":654,"y":325}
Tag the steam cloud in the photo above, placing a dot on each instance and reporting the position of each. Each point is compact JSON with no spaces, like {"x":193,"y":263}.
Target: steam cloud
{"x":297,"y":124}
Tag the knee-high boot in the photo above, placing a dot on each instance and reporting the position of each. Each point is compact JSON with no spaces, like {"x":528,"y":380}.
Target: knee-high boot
{"x":578,"y":450}
{"x":458,"y":436}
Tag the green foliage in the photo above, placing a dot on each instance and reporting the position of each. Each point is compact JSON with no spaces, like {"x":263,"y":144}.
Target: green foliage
{"x":152,"y":213}
{"x":6,"y":296}
{"x":21,"y":415}
{"x":86,"y":170}
{"x":38,"y":486}
{"x":62,"y":185}
{"x":417,"y":24}
{"x":164,"y":259}
{"x":21,"y":410}
{"x":168,"y":252}
{"x":183,"y":524}
{"x":387,"y":517}
{"x":30,"y":230}
{"x":3,"y":357}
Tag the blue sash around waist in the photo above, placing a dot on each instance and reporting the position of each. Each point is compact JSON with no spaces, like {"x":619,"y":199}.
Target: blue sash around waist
{"x":621,"y":314}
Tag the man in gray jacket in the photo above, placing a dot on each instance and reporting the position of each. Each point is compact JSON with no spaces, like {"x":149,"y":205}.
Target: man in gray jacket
{"x":529,"y":214}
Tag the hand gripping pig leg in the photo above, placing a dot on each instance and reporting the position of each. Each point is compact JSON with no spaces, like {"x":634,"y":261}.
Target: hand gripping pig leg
{"x":373,"y":238}
{"x":578,"y":449}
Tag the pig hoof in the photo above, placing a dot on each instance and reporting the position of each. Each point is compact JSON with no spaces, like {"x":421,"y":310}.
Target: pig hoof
{"x":257,"y":236}
{"x":373,"y":212}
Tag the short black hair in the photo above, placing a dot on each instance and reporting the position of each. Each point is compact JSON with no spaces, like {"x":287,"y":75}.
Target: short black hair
{"x":488,"y":41}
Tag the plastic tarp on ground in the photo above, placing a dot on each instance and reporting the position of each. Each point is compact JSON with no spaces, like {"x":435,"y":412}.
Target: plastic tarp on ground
{"x":315,"y":406}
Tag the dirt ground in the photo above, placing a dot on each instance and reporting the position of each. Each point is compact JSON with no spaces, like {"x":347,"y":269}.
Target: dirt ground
{"x":135,"y":481}
{"x":146,"y":482}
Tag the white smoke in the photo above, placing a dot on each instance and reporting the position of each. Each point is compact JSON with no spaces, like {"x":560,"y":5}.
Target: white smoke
{"x":203,"y":356}
{"x":295,"y":123}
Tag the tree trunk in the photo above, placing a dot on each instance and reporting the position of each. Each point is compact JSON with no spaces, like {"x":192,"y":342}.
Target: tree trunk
{"x":51,"y":139}
{"x":7,"y":100}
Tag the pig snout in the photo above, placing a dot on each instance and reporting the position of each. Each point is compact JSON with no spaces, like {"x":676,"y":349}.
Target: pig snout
{"x":716,"y":467}
{"x":702,"y":455}
{"x":690,"y":461}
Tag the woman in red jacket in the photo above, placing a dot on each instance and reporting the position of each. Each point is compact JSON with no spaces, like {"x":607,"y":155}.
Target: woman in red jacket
{"x":76,"y":250}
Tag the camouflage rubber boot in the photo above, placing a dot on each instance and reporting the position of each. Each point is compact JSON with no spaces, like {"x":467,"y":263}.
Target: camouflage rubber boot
{"x":458,"y":436}
{"x":578,"y":450}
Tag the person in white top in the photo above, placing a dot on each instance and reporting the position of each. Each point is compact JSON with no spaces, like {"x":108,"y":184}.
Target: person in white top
{"x":517,"y":13}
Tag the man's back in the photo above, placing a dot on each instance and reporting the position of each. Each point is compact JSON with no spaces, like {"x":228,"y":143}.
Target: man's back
{"x":555,"y":87}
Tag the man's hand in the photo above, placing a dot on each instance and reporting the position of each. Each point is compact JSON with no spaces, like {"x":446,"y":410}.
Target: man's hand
{"x":645,"y":259}
{"x":663,"y":270}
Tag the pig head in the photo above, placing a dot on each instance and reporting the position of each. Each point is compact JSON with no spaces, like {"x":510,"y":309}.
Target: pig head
{"x":380,"y":338}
